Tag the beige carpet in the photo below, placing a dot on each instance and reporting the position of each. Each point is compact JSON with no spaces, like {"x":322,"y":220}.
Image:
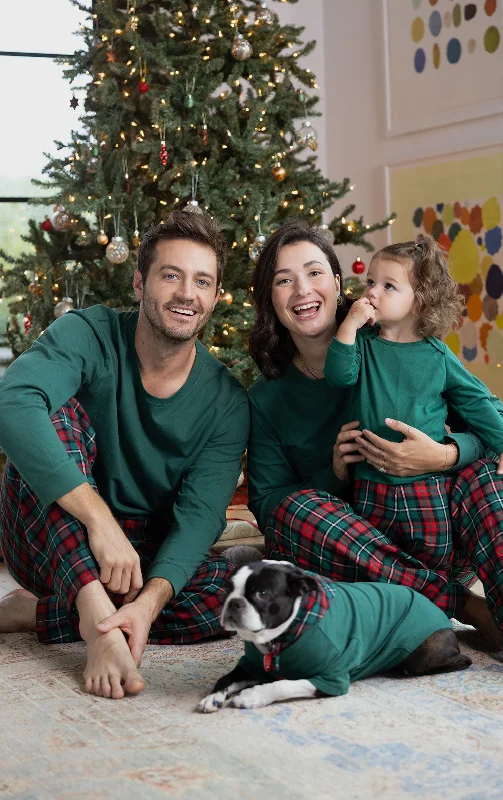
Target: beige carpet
{"x":423,"y":739}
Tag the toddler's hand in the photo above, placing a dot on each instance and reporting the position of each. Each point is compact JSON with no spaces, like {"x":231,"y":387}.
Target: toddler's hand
{"x":361,"y":312}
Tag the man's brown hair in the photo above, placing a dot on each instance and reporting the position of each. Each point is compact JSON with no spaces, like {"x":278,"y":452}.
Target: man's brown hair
{"x":198,"y":228}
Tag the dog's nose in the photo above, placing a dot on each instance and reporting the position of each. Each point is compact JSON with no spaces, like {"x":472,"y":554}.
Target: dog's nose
{"x":235,"y":604}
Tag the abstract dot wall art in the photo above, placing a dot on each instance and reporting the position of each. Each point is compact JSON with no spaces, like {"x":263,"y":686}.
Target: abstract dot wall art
{"x":444,"y":61}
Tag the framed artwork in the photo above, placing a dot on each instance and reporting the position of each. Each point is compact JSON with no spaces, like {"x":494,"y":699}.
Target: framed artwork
{"x":444,"y":62}
{"x":458,"y":200}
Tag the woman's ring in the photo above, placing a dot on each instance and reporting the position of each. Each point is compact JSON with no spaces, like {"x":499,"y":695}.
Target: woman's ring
{"x":382,"y":468}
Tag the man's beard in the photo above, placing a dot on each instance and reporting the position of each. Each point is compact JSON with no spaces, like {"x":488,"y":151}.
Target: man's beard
{"x":173,"y":334}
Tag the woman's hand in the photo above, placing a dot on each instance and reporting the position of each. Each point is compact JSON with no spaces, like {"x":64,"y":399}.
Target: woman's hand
{"x":345,"y":449}
{"x":417,"y":454}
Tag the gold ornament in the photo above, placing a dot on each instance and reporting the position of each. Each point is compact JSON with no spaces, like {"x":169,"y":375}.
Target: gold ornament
{"x":241,"y":49}
{"x":102,"y":238}
{"x":279,"y":172}
{"x":226,"y":297}
{"x":136,"y":240}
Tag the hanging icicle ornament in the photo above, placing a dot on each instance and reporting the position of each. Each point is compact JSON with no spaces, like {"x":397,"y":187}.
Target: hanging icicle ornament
{"x":27,"y":322}
{"x":189,"y":97}
{"x":193,"y":206}
{"x":136,"y":234}
{"x":127,"y":182}
{"x":204,"y":133}
{"x":257,"y":245}
{"x":163,"y":153}
{"x":117,"y":251}
{"x":306,"y":136}
{"x":61,"y":219}
{"x":263,"y":15}
{"x":325,"y":231}
{"x":143,"y":85}
{"x":241,"y":48}
{"x":63,"y":307}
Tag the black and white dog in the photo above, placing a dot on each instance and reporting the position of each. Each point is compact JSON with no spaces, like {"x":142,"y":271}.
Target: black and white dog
{"x":263,"y":603}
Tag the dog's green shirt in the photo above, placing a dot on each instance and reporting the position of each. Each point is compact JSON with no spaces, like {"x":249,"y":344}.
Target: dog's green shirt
{"x":367,"y":628}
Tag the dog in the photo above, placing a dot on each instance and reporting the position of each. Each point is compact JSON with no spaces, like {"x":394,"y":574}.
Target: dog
{"x":307,"y":636}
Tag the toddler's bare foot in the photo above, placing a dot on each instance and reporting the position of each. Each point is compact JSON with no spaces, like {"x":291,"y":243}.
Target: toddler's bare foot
{"x":111,"y":670}
{"x":18,"y":611}
{"x":475,"y":612}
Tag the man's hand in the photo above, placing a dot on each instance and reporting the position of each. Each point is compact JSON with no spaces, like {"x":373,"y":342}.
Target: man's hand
{"x":135,"y":619}
{"x":119,"y":562}
{"x":346,"y":450}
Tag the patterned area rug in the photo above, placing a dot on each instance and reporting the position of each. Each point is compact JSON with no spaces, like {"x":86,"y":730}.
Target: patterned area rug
{"x":424,"y":738}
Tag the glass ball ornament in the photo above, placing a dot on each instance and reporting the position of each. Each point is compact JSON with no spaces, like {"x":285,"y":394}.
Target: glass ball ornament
{"x":117,"y":251}
{"x":81,"y":239}
{"x":61,"y":220}
{"x":193,"y":207}
{"x":63,"y":307}
{"x":241,"y":49}
{"x":278,"y":172}
{"x":325,"y":231}
{"x":102,"y":238}
{"x":264,"y":15}
{"x":92,"y":165}
{"x":226,"y":297}
{"x":256,"y":246}
{"x":306,"y":136}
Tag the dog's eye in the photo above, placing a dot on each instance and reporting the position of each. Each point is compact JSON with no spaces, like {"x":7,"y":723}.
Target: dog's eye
{"x":261,"y":595}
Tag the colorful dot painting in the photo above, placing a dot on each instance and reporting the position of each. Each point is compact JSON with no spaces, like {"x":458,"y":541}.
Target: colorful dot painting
{"x":471,"y":233}
{"x":435,"y":21}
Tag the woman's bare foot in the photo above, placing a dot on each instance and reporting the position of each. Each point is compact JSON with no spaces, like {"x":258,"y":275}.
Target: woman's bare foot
{"x":111,"y":670}
{"x":18,"y":611}
{"x":475,"y":612}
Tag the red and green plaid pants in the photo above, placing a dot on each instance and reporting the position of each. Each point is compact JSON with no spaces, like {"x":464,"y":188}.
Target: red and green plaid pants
{"x":46,"y":551}
{"x":321,"y":533}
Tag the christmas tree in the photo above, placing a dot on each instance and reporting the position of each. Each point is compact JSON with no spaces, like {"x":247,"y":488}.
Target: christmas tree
{"x":198,"y":105}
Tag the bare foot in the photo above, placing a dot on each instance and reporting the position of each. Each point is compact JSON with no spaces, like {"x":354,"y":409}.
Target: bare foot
{"x":475,"y":612}
{"x":111,"y":670}
{"x":18,"y":611}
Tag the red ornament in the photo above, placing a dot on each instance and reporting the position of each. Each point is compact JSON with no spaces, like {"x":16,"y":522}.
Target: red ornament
{"x":358,"y":267}
{"x":46,"y":225}
{"x":163,"y":154}
{"x":143,"y":86}
{"x":27,"y":323}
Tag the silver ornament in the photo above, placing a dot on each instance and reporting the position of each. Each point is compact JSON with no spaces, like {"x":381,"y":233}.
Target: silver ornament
{"x":63,"y":307}
{"x":117,"y":251}
{"x":92,"y":165}
{"x":241,"y":49}
{"x":193,"y":207}
{"x":256,"y":247}
{"x":306,"y":136}
{"x":61,"y":219}
{"x":263,"y":15}
{"x":325,"y":231}
{"x":81,"y":239}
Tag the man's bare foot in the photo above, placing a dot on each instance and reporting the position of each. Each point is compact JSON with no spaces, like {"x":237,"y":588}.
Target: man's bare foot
{"x":475,"y":612}
{"x":111,"y":670}
{"x":18,"y":611}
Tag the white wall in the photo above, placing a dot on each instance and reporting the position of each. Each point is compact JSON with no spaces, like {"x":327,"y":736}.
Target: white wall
{"x":355,"y":113}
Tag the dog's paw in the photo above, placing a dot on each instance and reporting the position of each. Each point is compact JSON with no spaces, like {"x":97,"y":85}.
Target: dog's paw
{"x":213,"y":702}
{"x":250,"y":698}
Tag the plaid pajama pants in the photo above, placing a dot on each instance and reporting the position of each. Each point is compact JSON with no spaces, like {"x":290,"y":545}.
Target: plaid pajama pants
{"x":321,"y":533}
{"x":47,"y":552}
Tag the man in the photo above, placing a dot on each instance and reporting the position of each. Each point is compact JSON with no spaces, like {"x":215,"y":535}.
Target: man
{"x":124,"y":438}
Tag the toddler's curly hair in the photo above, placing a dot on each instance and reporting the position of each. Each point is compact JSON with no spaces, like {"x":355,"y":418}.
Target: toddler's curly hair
{"x":438,"y":301}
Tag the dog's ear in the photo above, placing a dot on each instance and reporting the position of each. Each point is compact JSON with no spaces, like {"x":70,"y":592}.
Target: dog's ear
{"x":299,"y":583}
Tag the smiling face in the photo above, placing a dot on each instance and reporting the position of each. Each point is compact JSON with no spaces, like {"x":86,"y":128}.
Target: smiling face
{"x":305,"y":290}
{"x":180,"y":291}
{"x":390,"y":291}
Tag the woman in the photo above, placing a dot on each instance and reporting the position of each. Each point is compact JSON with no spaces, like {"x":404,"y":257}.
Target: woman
{"x":298,"y":478}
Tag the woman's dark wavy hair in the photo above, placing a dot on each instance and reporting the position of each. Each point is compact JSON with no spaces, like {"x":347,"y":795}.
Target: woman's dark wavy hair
{"x":270,"y":344}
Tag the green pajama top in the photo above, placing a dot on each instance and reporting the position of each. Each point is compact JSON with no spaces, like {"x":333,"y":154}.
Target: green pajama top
{"x":416,"y":382}
{"x":368,"y":628}
{"x":294,"y":425}
{"x":176,"y":460}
